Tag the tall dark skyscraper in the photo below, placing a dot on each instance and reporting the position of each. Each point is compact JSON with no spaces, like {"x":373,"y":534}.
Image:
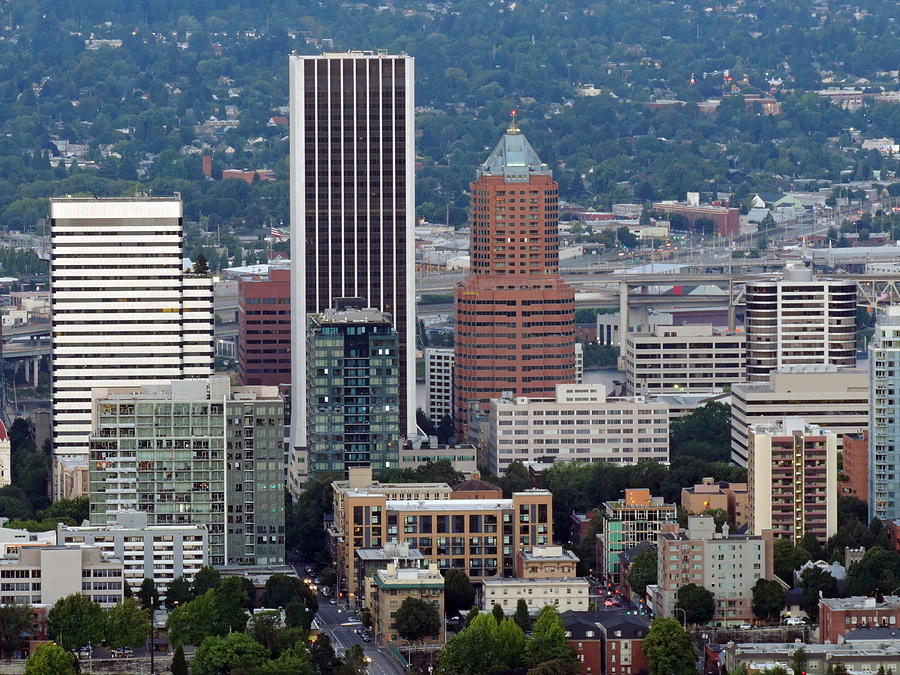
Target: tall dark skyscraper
{"x":352,"y":209}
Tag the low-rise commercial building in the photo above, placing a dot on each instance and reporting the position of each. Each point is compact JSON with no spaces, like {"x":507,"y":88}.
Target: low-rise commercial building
{"x":832,"y":398}
{"x":158,"y":552}
{"x":370,"y":560}
{"x":819,"y":657}
{"x":838,"y":616}
{"x":546,"y":562}
{"x":683,"y":359}
{"x":392,"y":586}
{"x":792,"y":479}
{"x":581,"y":423}
{"x":417,"y":451}
{"x":626,"y":523}
{"x":44,"y":574}
{"x":733,"y":498}
{"x":564,"y":594}
{"x":728,"y":565}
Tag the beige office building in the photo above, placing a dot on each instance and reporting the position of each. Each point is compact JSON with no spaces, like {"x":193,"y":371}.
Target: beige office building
{"x":837,"y":399}
{"x":41,"y":575}
{"x":683,"y":359}
{"x":728,"y":565}
{"x":581,"y":423}
{"x":564,"y":594}
{"x":792,"y":478}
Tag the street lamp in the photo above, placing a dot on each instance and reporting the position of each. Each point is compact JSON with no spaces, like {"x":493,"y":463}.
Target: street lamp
{"x":684,"y":617}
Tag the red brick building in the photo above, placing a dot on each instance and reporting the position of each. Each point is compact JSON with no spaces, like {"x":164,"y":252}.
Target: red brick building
{"x":607,"y":642}
{"x":515,"y":316}
{"x":264,"y":328}
{"x":726,"y":219}
{"x":838,"y":616}
{"x":856,"y":466}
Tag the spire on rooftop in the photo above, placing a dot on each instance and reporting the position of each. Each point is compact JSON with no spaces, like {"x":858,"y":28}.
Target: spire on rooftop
{"x":514,"y":157}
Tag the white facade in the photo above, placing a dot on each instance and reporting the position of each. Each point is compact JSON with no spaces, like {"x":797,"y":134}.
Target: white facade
{"x":439,"y":383}
{"x":158,"y":552}
{"x":683,"y":359}
{"x":123,"y":312}
{"x":564,"y":594}
{"x":41,"y":575}
{"x":884,"y":427}
{"x":579,"y":363}
{"x":579,"y":423}
{"x":352,"y":204}
{"x":828,"y":396}
{"x":5,"y":457}
{"x":799,"y":321}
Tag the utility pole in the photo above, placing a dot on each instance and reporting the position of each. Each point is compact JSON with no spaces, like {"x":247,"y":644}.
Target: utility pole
{"x":152,"y":634}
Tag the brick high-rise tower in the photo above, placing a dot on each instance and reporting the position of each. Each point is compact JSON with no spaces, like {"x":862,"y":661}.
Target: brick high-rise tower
{"x":515,"y":316}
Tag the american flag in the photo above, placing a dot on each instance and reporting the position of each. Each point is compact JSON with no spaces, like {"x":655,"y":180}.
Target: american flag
{"x":279,"y":233}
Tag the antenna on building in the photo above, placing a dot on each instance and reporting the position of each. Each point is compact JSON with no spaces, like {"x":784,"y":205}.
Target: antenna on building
{"x":513,"y":127}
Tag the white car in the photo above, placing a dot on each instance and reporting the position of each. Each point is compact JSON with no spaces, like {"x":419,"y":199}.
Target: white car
{"x":793,"y":621}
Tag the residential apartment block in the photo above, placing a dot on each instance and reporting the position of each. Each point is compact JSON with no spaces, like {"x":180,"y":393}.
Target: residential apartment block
{"x":352,"y":395}
{"x":884,"y":408}
{"x":626,"y":523}
{"x":830,"y":397}
{"x":158,"y":552}
{"x":683,"y":359}
{"x":392,"y":586}
{"x":581,"y":423}
{"x":607,"y":641}
{"x":123,"y":313}
{"x":799,"y":320}
{"x":420,"y":450}
{"x":439,"y":383}
{"x":194,"y":452}
{"x":726,"y":564}
{"x":792,"y":478}
{"x":36,"y":575}
{"x":480,"y":536}
{"x":563,"y":593}
{"x":856,"y":466}
{"x":733,"y":498}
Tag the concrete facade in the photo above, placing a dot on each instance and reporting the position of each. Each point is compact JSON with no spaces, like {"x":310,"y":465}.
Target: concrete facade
{"x":832,"y":398}
{"x":161,"y":318}
{"x":158,"y":552}
{"x":564,"y":594}
{"x":856,"y":466}
{"x":792,"y":478}
{"x":439,"y":383}
{"x":726,"y":564}
{"x":44,"y":574}
{"x":546,"y":562}
{"x":581,"y":423}
{"x":683,"y":359}
{"x":799,"y":320}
